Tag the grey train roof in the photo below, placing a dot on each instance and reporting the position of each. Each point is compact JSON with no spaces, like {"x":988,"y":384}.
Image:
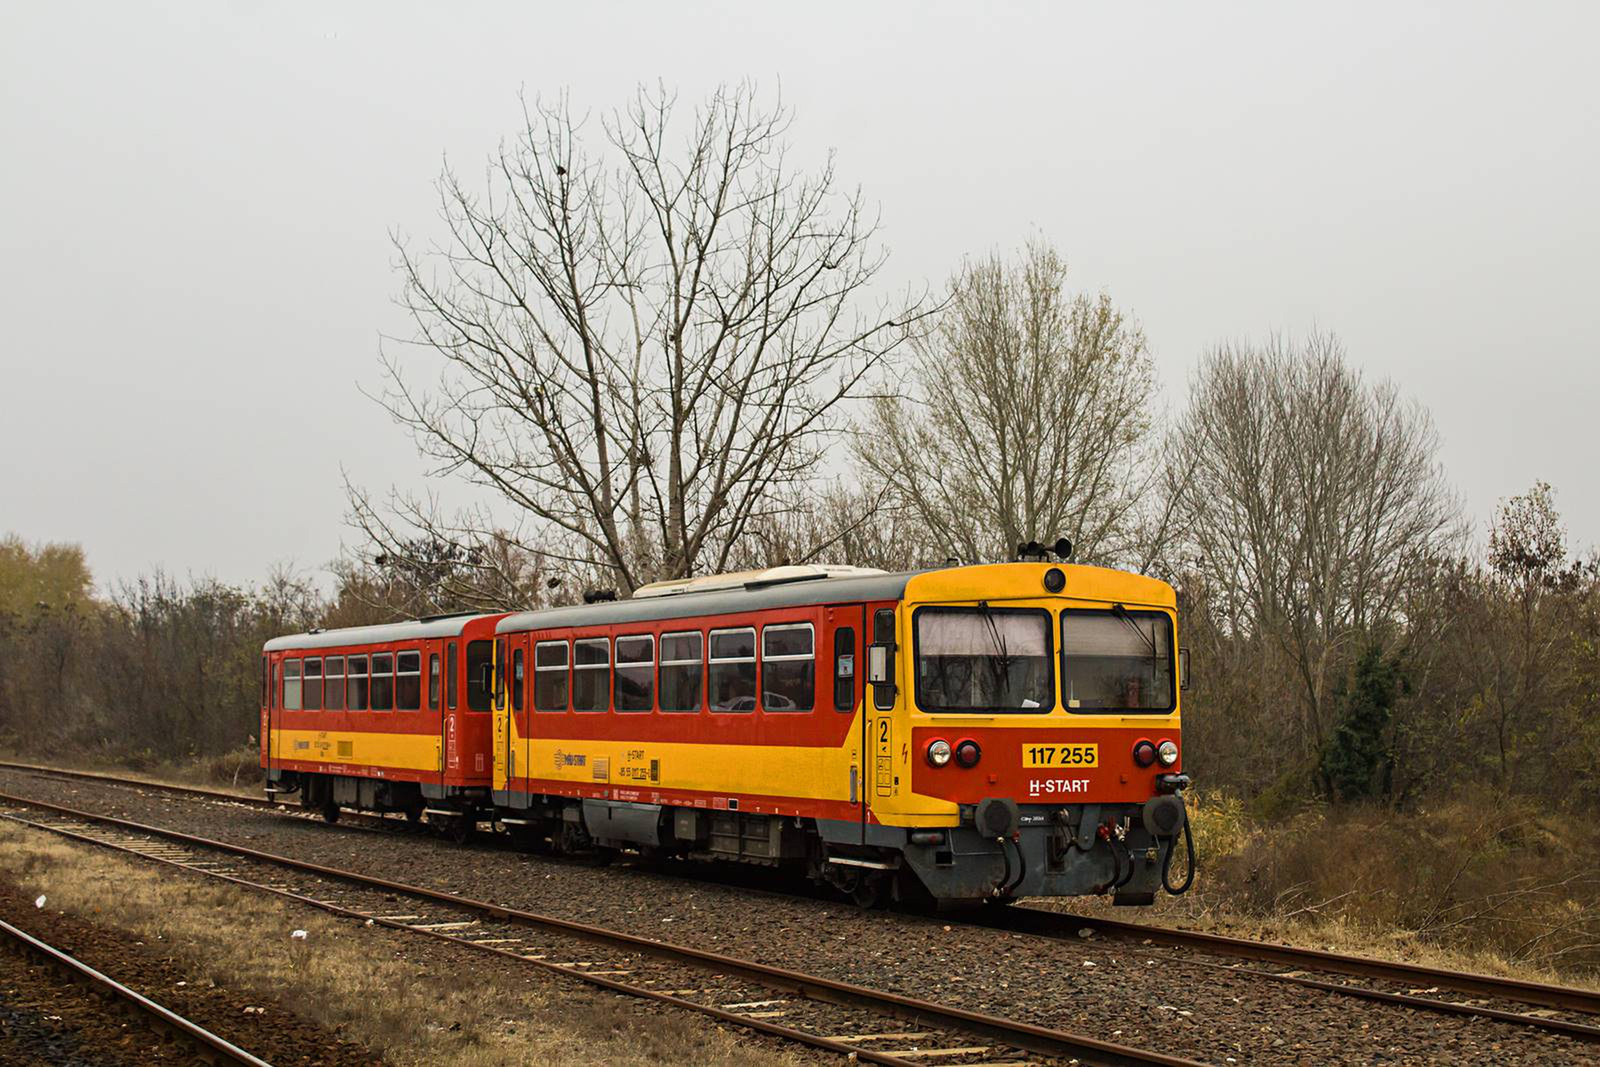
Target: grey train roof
{"x":415,"y":630}
{"x":790,"y":594}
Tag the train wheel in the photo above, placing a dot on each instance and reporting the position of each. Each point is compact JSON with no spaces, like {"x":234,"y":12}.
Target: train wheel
{"x":330,"y":813}
{"x":458,"y":830}
{"x":414,"y":815}
{"x":871,"y":891}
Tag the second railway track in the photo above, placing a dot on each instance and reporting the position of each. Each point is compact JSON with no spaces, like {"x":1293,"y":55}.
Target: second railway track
{"x":203,"y":1045}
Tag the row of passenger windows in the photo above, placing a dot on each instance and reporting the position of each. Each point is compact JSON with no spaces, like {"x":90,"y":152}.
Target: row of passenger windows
{"x":686,"y":672}
{"x":681,"y":672}
{"x":381,"y":681}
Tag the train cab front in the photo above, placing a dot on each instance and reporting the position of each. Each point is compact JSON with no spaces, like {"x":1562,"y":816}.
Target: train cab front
{"x":1044,"y":756}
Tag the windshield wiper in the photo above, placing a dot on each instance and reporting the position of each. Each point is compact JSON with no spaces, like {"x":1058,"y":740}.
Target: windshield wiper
{"x":999,"y":641}
{"x":1149,"y":642}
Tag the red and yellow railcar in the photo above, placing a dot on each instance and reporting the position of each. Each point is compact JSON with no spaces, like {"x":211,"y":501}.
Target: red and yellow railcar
{"x":1014,"y":731}
{"x":385,"y":718}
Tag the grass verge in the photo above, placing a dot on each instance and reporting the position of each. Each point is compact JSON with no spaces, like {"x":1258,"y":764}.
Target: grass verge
{"x":414,"y":1002}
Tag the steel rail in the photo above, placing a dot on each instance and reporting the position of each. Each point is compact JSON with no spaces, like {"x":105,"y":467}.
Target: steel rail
{"x":1031,"y":1037}
{"x":1065,"y":925}
{"x":210,"y":1045}
{"x":166,"y":787}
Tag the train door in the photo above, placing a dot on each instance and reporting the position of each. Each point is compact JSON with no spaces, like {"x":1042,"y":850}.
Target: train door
{"x":878,"y":733}
{"x":501,"y":779}
{"x":841,"y":650}
{"x":433,"y":668}
{"x":450,"y":721}
{"x":519,"y":718}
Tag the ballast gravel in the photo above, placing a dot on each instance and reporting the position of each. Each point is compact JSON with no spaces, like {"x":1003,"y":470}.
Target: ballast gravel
{"x":1110,"y":990}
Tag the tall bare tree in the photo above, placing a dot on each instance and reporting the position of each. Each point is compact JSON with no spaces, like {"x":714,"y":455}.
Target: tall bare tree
{"x":646,"y":333}
{"x":1313,"y":502}
{"x":1026,"y":414}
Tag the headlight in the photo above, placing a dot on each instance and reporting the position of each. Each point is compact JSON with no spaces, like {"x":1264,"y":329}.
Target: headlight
{"x":1144,"y":752}
{"x":939,"y":753}
{"x":1168,"y":751}
{"x":968,"y":753}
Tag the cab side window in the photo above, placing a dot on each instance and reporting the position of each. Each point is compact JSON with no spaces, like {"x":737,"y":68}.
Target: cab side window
{"x":844,"y":669}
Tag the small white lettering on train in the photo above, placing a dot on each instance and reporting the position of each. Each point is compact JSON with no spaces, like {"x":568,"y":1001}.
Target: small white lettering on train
{"x":1039,"y":787}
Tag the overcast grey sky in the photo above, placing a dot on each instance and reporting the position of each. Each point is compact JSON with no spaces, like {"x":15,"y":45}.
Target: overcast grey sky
{"x":196,"y":198}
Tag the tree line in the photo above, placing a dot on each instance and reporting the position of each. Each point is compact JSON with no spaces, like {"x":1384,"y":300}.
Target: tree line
{"x":660,"y":345}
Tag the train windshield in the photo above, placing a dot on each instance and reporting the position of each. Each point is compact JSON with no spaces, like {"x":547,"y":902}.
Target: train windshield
{"x":1116,"y":659}
{"x":984,"y":659}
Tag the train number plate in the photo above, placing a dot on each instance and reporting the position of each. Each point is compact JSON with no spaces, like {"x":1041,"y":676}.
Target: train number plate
{"x":1073,"y":756}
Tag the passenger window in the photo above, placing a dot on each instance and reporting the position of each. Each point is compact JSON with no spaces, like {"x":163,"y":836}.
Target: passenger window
{"x":591,"y":674}
{"x":788,"y":667}
{"x":333,"y":684}
{"x":733,"y":670}
{"x":408,"y":681}
{"x":517,"y":680}
{"x":844,"y":669}
{"x":550,"y":676}
{"x":381,"y":688}
{"x":636,"y":673}
{"x":480,"y":665}
{"x":291,"y":685}
{"x":682,"y":671}
{"x":453,"y":672}
{"x":883,"y":634}
{"x":433,"y":682}
{"x":356,"y":685}
{"x":311,"y":690}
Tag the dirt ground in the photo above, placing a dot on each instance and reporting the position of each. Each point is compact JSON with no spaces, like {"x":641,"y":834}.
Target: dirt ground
{"x":45,"y":1018}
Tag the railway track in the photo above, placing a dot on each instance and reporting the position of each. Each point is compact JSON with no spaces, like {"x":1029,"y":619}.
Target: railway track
{"x":1064,"y":926}
{"x":206,"y":1046}
{"x":1420,"y":988}
{"x":867,"y":1025}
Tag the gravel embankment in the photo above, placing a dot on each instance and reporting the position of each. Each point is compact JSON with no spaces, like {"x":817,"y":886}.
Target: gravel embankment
{"x":1112,"y":991}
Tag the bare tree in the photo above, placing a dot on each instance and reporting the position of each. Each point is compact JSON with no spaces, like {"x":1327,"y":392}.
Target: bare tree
{"x":1312,"y":501}
{"x":1027,"y":414}
{"x":646,"y":344}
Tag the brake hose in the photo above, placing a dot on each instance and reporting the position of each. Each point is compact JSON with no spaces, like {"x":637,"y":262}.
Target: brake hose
{"x":1166,"y":866}
{"x":1005,"y":857}
{"x":1117,"y":845}
{"x":1022,"y":868}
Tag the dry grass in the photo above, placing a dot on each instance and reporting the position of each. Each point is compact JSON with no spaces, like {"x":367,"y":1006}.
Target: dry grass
{"x":237,"y":771}
{"x":386,"y":990}
{"x":1479,"y":883}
